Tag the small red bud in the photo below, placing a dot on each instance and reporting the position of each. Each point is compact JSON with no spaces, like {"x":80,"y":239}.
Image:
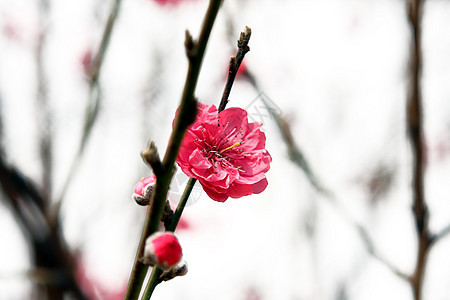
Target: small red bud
{"x":163,"y":250}
{"x":143,"y":190}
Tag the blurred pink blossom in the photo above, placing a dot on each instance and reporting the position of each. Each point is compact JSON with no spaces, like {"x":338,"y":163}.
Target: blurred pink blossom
{"x":242,"y":70}
{"x":86,"y":61}
{"x":92,"y":288}
{"x":169,"y":2}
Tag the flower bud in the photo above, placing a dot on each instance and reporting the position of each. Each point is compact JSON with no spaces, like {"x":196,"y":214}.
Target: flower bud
{"x":143,"y":190}
{"x":162,"y":249}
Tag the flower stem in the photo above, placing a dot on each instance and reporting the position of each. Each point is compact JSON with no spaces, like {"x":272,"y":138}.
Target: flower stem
{"x":195,"y":51}
{"x":184,"y":198}
{"x":139,"y":270}
{"x":156,"y":272}
{"x":152,"y":283}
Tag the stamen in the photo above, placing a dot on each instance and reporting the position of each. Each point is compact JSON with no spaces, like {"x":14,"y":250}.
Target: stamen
{"x":234,"y":145}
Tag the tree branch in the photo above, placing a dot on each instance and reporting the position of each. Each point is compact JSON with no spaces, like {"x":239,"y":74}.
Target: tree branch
{"x":235,"y":62}
{"x":93,"y":105}
{"x":151,"y":157}
{"x":48,"y":247}
{"x":195,"y":51}
{"x":415,"y":134}
{"x":43,"y":108}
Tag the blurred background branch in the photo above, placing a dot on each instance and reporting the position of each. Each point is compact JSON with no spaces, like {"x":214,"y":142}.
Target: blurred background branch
{"x":44,"y":121}
{"x":48,"y":248}
{"x":53,"y":262}
{"x":95,"y":94}
{"x":346,"y":84}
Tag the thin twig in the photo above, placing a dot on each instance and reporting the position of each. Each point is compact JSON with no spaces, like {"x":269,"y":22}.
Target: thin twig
{"x":155,"y":276}
{"x":43,"y":107}
{"x":184,"y":198}
{"x":368,"y":243}
{"x":440,"y":235}
{"x":195,"y":51}
{"x":294,"y":151}
{"x":364,"y":235}
{"x":151,"y":157}
{"x":93,"y":105}
{"x":235,"y":62}
{"x":415,"y":133}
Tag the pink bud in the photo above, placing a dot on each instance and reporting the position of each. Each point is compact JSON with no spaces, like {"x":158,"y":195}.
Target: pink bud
{"x":163,"y":250}
{"x":143,"y":190}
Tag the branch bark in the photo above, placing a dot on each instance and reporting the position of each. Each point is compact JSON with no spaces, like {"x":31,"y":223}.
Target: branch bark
{"x":235,"y":63}
{"x":415,"y":134}
{"x":195,"y":51}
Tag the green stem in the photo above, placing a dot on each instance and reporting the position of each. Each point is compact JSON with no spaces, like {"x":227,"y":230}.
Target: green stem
{"x":186,"y":115}
{"x":152,"y":283}
{"x":139,"y":270}
{"x":156,"y":273}
{"x":184,"y":198}
{"x":151,"y":225}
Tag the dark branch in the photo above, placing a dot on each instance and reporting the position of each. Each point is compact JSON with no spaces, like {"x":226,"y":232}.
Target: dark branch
{"x":441,"y":234}
{"x":195,"y":51}
{"x":415,"y":133}
{"x":235,"y":63}
{"x":48,"y":247}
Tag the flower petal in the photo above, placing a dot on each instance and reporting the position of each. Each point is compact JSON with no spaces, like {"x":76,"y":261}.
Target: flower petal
{"x":225,"y":153}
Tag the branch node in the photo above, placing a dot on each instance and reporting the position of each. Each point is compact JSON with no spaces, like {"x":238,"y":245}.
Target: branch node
{"x":244,"y":39}
{"x":189,"y":45}
{"x":167,"y":214}
{"x":151,"y":157}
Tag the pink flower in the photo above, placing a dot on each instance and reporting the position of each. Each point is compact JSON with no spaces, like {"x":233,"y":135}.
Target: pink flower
{"x":183,"y":224}
{"x":225,"y":153}
{"x":162,"y":249}
{"x":93,"y":288}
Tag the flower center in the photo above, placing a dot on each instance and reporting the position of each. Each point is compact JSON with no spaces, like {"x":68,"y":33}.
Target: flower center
{"x":228,"y":148}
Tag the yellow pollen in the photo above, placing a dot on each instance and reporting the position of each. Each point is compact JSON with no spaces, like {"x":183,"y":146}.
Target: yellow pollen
{"x":234,"y":145}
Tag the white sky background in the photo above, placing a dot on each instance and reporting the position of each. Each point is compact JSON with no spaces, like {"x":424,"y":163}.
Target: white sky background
{"x":336,"y":70}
